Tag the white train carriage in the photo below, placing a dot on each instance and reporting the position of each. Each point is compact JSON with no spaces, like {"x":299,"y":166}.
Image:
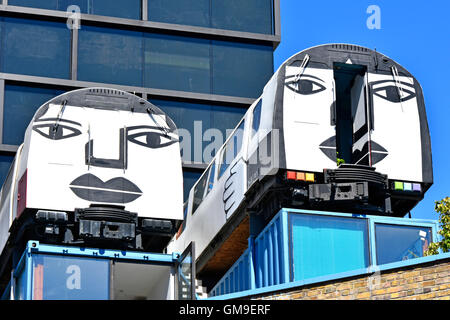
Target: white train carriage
{"x":338,"y":127}
{"x":97,"y":166}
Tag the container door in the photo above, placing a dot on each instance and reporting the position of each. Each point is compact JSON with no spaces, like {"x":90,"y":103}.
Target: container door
{"x":185,"y":274}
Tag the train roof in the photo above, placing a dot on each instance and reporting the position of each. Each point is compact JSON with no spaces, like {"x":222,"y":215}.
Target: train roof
{"x":323,"y":56}
{"x":107,"y":99}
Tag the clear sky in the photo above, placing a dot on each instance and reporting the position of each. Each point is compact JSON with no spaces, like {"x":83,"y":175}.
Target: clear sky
{"x":416,"y":34}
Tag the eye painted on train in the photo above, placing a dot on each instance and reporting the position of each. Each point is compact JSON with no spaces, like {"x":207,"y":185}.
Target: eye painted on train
{"x":55,"y":130}
{"x":304,"y":85}
{"x":150,"y":137}
{"x":390,"y":90}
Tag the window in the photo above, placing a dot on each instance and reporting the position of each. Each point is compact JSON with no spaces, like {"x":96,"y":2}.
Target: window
{"x":240,"y":69}
{"x":231,"y":149}
{"x":110,"y":56}
{"x":191,"y":116}
{"x":189,"y":179}
{"x":199,"y":190}
{"x":248,"y":16}
{"x":20,"y":104}
{"x":177,"y":63}
{"x":5,"y":164}
{"x":188,"y":12}
{"x":323,"y":245}
{"x":211,"y":178}
{"x":397,"y":243}
{"x":130,"y":9}
{"x":256,"y":117}
{"x":38,"y":48}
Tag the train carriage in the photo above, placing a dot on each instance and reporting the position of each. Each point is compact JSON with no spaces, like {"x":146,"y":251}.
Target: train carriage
{"x":98,"y":166}
{"x":338,"y":127}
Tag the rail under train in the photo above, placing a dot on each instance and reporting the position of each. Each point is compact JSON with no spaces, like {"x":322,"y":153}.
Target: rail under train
{"x":98,"y":166}
{"x":338,"y":127}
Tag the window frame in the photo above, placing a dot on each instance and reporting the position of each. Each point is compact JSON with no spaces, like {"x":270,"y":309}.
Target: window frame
{"x":223,"y":151}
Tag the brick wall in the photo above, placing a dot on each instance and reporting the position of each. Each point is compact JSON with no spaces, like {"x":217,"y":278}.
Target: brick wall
{"x":419,"y":282}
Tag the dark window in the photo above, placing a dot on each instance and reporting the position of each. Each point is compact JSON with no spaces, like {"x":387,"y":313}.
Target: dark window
{"x":5,"y":164}
{"x":231,"y":149}
{"x":188,"y":12}
{"x":189,"y":179}
{"x":249,"y":15}
{"x":41,"y":4}
{"x":256,"y":117}
{"x":184,"y":115}
{"x":199,"y":190}
{"x":177,"y":63}
{"x":240,"y":69}
{"x":20,"y":105}
{"x":130,"y":9}
{"x":110,"y":56}
{"x":397,"y":243}
{"x":211,"y":178}
{"x":38,"y":48}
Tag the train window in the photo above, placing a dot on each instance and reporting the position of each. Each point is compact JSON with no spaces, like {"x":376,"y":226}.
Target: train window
{"x":199,"y":190}
{"x":256,"y":117}
{"x":232,"y":148}
{"x":211,"y":178}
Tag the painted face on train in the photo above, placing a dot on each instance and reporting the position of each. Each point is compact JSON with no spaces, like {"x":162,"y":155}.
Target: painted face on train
{"x":104,"y":156}
{"x":369,"y":117}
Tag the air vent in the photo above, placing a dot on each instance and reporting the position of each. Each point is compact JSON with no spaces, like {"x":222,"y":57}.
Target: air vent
{"x":106,"y":91}
{"x":349,"y":47}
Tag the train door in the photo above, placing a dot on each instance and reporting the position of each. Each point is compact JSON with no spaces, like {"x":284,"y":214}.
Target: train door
{"x":106,"y":158}
{"x":185,"y":274}
{"x":353,"y":114}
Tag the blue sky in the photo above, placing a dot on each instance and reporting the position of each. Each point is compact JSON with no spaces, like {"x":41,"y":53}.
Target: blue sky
{"x":416,"y":34}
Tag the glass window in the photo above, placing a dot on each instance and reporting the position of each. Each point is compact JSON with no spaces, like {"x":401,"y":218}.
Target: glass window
{"x":397,"y":243}
{"x":199,"y":191}
{"x":130,"y":9}
{"x":249,"y":15}
{"x":110,"y":56}
{"x":323,"y":245}
{"x":195,"y":119}
{"x":70,"y":278}
{"x":188,"y":12}
{"x":20,"y":105}
{"x":38,"y":48}
{"x":41,"y":4}
{"x":256,"y":117}
{"x":189,"y":179}
{"x":211,"y":178}
{"x":5,"y":164}
{"x":226,"y":118}
{"x":231,"y":149}
{"x":177,"y":63}
{"x":240,"y":69}
{"x":191,"y":120}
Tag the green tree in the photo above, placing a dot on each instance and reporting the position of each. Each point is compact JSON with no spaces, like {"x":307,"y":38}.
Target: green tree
{"x":443,"y":208}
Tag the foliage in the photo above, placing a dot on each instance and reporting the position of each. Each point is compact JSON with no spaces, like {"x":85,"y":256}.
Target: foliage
{"x":339,"y":161}
{"x":443,"y":208}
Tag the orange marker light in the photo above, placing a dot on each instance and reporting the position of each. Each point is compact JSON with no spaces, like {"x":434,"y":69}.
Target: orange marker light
{"x":301,"y":176}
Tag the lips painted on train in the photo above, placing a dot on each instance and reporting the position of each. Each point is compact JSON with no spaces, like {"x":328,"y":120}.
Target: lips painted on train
{"x":116,"y":190}
{"x":328,"y":147}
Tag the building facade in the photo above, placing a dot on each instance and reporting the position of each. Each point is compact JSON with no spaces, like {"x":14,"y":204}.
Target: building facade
{"x":203,"y":62}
